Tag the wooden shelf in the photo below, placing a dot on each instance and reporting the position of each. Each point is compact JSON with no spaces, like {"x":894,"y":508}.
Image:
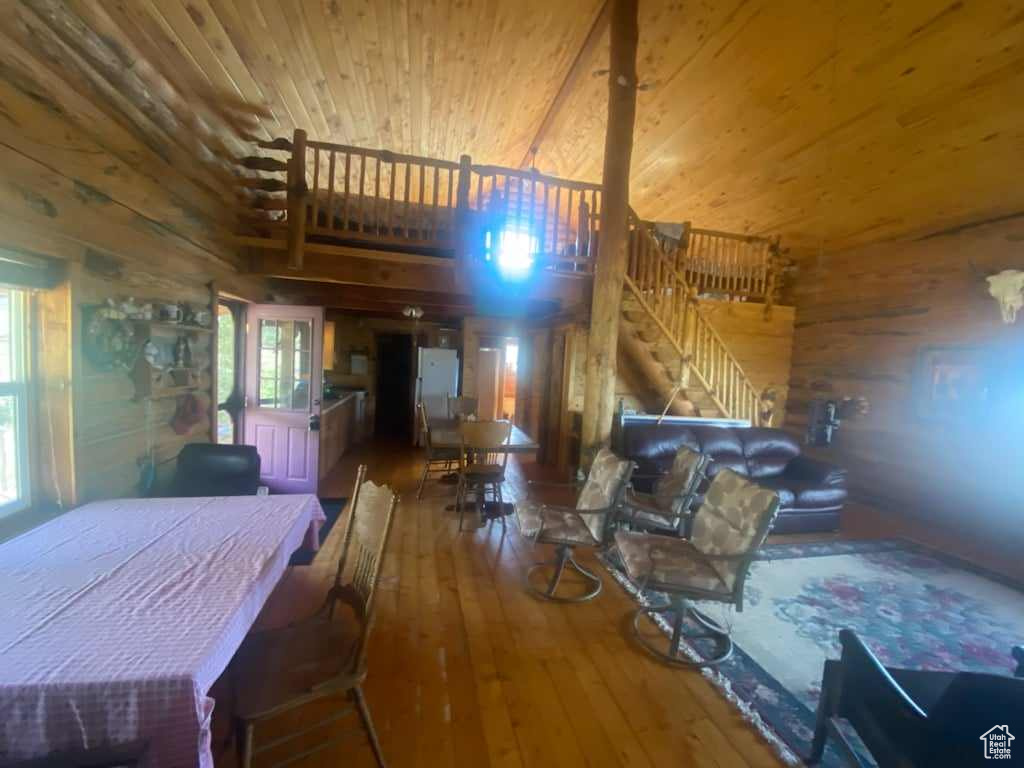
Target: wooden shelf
{"x":156,"y":383}
{"x":164,"y":325}
{"x":169,"y":392}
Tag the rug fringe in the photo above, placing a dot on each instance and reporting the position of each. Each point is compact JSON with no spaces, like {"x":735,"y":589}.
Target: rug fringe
{"x":716,"y":678}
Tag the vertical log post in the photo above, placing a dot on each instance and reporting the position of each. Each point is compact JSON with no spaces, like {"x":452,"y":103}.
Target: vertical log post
{"x":609,"y":270}
{"x":464,"y":223}
{"x":297,"y":192}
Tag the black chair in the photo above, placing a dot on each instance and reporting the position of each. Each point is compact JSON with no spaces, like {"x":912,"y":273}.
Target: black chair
{"x":127,"y":755}
{"x":208,"y":469}
{"x":911,"y":718}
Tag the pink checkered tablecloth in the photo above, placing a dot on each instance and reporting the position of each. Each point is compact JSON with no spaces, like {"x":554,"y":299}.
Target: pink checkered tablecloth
{"x":117,"y":617}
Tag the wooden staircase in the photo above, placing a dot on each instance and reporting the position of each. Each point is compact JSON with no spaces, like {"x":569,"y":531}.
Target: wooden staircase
{"x":650,"y":352}
{"x":663,"y":327}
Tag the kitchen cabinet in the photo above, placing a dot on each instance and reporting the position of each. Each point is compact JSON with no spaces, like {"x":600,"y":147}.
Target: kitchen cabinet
{"x":341,"y":427}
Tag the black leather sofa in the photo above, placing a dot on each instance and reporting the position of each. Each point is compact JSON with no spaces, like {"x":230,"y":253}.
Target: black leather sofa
{"x":811,"y":492}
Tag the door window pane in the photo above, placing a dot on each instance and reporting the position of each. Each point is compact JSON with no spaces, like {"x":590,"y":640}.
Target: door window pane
{"x":285,"y":363}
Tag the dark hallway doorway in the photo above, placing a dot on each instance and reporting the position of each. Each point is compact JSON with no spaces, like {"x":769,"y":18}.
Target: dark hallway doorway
{"x":394,"y":386}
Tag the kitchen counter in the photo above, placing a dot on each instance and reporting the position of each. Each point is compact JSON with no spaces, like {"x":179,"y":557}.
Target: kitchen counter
{"x":336,"y":402}
{"x":341,"y":427}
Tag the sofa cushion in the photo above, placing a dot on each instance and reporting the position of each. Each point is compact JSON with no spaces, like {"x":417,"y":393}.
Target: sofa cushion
{"x":653,"y":447}
{"x":768,"y":451}
{"x":724,"y":446}
{"x":798,"y":496}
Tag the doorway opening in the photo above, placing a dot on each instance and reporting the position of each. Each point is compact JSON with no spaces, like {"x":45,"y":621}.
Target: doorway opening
{"x":497,"y":368}
{"x":509,"y":379}
{"x":393,"y":415}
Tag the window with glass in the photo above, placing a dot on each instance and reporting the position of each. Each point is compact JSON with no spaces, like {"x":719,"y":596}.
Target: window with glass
{"x":285,"y":362}
{"x":230,"y":333}
{"x":15,"y":486}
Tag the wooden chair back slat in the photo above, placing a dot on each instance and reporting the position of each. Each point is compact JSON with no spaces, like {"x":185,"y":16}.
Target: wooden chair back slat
{"x":482,"y":442}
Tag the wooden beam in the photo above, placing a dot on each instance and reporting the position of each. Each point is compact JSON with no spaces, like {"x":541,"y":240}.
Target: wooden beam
{"x":277,"y":244}
{"x":579,"y":66}
{"x":366,"y":270}
{"x":610,"y":268}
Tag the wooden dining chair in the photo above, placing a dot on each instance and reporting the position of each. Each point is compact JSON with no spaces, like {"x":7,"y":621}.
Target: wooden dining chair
{"x":438,"y":460}
{"x":322,"y":659}
{"x":482,"y":464}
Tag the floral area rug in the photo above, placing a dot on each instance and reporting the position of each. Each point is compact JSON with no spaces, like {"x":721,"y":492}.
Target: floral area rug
{"x":913,"y":607}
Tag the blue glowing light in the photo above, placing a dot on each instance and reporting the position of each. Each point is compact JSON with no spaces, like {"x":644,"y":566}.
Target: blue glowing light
{"x":515,"y":256}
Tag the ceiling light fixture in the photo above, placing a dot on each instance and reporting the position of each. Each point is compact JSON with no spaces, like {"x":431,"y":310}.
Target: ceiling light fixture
{"x":413,"y":313}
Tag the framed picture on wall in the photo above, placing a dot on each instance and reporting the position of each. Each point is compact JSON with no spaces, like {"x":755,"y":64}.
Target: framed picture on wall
{"x":952,"y":383}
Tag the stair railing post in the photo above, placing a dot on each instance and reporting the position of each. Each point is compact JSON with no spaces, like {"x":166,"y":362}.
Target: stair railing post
{"x":687,"y":338}
{"x":680,"y":255}
{"x":297,"y":193}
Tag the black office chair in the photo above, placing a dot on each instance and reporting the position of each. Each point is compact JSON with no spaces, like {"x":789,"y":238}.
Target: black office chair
{"x":911,"y":718}
{"x":208,"y":469}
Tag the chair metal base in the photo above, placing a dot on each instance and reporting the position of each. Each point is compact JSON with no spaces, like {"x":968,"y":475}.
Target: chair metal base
{"x":680,"y":609}
{"x":564,"y":557}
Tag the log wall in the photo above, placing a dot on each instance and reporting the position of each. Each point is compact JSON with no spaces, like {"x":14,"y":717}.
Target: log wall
{"x":863,"y":316}
{"x":83,"y":181}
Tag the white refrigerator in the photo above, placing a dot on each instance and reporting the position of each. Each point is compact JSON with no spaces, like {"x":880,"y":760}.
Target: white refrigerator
{"x":437,"y":379}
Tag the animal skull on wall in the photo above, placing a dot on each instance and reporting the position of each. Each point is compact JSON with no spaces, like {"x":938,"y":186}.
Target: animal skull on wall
{"x":1007,"y":287}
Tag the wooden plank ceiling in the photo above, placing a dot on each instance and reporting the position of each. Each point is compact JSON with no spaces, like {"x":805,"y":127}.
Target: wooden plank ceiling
{"x":829,"y":123}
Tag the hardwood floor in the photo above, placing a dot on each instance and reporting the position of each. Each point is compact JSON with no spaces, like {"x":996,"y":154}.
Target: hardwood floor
{"x":466,"y":669}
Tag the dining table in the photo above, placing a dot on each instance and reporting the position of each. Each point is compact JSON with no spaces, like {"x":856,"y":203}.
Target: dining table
{"x":117,"y":617}
{"x":444,"y":433}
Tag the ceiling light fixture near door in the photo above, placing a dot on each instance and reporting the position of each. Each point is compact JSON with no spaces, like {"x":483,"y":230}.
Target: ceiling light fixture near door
{"x":413,"y":313}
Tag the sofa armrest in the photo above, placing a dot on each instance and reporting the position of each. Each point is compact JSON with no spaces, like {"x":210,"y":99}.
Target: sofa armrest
{"x":813,"y":472}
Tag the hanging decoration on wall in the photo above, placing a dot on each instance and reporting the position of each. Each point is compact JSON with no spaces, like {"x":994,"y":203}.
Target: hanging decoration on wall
{"x":1007,"y":287}
{"x":108,"y":338}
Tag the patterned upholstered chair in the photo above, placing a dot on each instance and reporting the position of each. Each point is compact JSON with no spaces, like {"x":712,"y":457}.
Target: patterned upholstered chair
{"x":728,"y":529}
{"x":667,"y":509}
{"x":586,"y":525}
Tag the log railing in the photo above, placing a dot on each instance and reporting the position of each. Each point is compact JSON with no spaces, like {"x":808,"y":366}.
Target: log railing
{"x":353,"y":194}
{"x":384,"y":196}
{"x":671,"y":302}
{"x":560,"y":216}
{"x":738,"y":266}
